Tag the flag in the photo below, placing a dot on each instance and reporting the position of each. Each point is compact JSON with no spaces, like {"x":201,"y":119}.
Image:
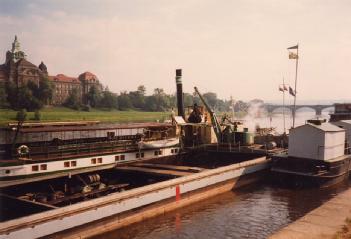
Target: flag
{"x":285,"y":88}
{"x":281,"y":89}
{"x":293,"y":47}
{"x":293,"y":55}
{"x":292,"y":92}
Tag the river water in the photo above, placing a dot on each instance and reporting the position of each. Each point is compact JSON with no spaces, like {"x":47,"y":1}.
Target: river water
{"x":255,"y":211}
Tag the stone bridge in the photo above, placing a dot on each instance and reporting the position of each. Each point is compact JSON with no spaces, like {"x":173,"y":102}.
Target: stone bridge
{"x":317,"y":108}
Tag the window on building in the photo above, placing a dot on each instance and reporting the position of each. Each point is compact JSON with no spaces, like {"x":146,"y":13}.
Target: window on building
{"x":142,"y":154}
{"x":156,"y":153}
{"x":66,"y":164}
{"x":123,"y":157}
{"x":73,"y":163}
{"x":43,"y":167}
{"x":110,"y":135}
{"x":35,"y":168}
{"x":160,"y":152}
{"x":117,"y":158}
{"x":99,"y":160}
{"x":93,"y":160}
{"x":8,"y":171}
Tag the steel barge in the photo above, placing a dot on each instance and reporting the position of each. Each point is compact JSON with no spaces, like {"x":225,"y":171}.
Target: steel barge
{"x":317,"y":156}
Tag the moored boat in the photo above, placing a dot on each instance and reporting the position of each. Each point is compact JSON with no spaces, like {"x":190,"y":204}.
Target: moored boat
{"x":43,"y":151}
{"x":316,"y":156}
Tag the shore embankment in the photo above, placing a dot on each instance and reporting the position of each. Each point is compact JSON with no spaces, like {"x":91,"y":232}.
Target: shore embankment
{"x":330,"y":220}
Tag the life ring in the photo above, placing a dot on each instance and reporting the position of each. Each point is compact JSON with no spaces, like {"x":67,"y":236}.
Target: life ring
{"x":22,"y":150}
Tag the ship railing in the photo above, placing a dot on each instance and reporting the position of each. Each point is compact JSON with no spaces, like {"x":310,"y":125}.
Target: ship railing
{"x":58,"y":152}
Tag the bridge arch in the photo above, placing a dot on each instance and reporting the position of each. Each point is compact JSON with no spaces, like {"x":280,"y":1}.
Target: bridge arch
{"x":317,"y":108}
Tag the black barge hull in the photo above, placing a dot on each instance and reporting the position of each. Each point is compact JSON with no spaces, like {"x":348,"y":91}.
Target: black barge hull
{"x":298,"y":172}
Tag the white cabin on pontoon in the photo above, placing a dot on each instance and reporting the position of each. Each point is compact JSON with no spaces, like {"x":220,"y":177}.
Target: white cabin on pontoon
{"x":317,"y":140}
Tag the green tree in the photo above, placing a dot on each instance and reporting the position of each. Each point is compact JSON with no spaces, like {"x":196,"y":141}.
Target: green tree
{"x":124,"y":102}
{"x":3,"y":97}
{"x":45,"y":91}
{"x":211,"y":99}
{"x":108,"y":100}
{"x":72,"y":100}
{"x":151,"y":103}
{"x":26,"y":99}
{"x":12,"y":93}
{"x":94,"y":96}
{"x":37,"y":115}
{"x":142,"y":90}
{"x":21,"y":115}
{"x":138,"y":98}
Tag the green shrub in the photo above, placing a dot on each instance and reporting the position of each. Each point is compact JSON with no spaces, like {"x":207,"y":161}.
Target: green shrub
{"x":21,"y":115}
{"x":37,"y":115}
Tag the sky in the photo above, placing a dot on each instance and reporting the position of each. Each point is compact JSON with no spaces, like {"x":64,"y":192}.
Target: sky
{"x":231,"y":47}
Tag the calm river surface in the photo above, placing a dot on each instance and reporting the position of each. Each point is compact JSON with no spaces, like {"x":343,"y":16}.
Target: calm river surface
{"x":255,"y":211}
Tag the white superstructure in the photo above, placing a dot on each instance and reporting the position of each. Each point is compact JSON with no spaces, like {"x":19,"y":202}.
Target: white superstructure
{"x":322,"y":141}
{"x":34,"y":169}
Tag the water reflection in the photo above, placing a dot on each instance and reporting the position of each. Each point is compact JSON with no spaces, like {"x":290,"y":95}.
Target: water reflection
{"x":252,"y":212}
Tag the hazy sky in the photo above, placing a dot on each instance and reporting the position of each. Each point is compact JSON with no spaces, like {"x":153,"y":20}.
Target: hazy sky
{"x":235,"y":47}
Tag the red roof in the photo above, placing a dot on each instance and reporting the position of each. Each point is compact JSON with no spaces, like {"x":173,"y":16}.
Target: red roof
{"x":87,"y":76}
{"x":64,"y":78}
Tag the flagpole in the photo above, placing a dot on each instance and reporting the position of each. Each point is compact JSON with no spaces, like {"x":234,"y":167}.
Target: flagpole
{"x":297,"y":63}
{"x":284,"y":105}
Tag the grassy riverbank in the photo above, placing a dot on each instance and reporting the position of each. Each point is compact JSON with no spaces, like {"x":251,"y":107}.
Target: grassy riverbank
{"x":66,"y":114}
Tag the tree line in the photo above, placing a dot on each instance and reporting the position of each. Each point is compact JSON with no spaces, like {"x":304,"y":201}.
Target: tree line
{"x":33,"y":97}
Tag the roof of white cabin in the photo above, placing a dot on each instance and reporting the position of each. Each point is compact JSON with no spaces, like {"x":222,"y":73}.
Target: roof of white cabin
{"x":346,"y":121}
{"x":326,"y":127}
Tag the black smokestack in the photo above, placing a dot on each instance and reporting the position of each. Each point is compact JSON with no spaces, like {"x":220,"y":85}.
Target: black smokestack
{"x":180,"y":93}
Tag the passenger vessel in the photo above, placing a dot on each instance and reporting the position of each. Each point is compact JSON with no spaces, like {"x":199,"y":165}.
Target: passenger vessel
{"x":46,"y":150}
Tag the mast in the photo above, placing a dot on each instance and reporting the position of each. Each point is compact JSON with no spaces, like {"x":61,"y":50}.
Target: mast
{"x":284,"y":105}
{"x":295,"y":92}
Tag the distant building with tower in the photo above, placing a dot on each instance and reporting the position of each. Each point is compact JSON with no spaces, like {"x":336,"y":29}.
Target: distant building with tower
{"x":18,"y":70}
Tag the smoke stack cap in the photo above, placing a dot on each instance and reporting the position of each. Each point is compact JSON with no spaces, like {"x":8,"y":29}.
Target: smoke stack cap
{"x":179,"y":72}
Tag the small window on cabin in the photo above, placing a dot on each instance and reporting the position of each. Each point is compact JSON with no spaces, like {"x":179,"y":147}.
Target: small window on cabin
{"x":66,"y":164}
{"x":73,"y":163}
{"x":137,"y":155}
{"x":35,"y":168}
{"x":156,"y":153}
{"x":160,"y":152}
{"x":123,"y":157}
{"x":110,"y":135}
{"x":43,"y":167}
{"x":99,"y":160}
{"x":93,"y":161}
{"x":116,"y":158}
{"x":142,"y":155}
{"x":8,"y":171}
{"x":172,"y":151}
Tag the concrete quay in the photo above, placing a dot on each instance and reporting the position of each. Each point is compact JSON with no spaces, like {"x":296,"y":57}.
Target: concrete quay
{"x":323,"y":222}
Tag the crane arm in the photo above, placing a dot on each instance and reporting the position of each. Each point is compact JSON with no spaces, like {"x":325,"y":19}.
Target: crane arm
{"x":215,"y":124}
